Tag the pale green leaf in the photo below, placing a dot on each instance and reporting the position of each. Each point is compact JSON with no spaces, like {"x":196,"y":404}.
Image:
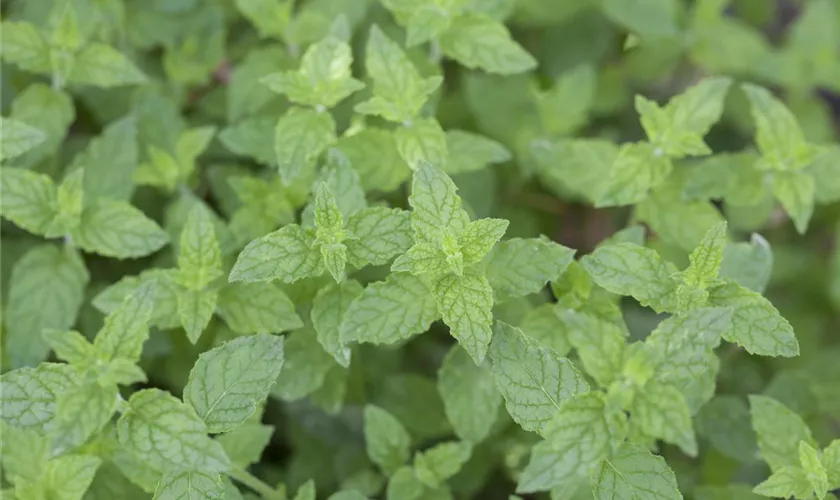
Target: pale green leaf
{"x":778,"y":135}
{"x":245,"y":444}
{"x":30,"y":199}
{"x":470,"y":397}
{"x":190,"y":485}
{"x":788,"y":481}
{"x":29,"y":394}
{"x":168,"y":435}
{"x":251,"y":137}
{"x":814,"y":469}
{"x":465,"y":303}
{"x":748,"y":264}
{"x":524,"y":266}
{"x":544,"y":325}
{"x":24,"y":46}
{"x":577,"y":439}
{"x":228,"y":382}
{"x":328,"y":308}
{"x":826,"y":168}
{"x":46,"y":290}
{"x":675,"y":219}
{"x":564,"y":107}
{"x":404,"y":485}
{"x":705,"y":260}
{"x":305,"y":366}
{"x":103,"y":66}
{"x":389,"y":311}
{"x":399,"y":91}
{"x":70,"y":346}
{"x":199,"y":256}
{"x":300,"y":136}
{"x":285,"y":254}
{"x":109,"y":161}
{"x":795,"y":191}
{"x":756,"y":324}
{"x":600,"y":344}
{"x":427,"y":22}
{"x":628,"y":269}
{"x":24,"y":452}
{"x":195,"y":310}
{"x":661,"y":411}
{"x":68,"y":477}
{"x":831,"y":460}
{"x":116,"y":229}
{"x":435,"y":203}
{"x":422,"y":140}
{"x":533,"y":379}
{"x":49,"y":110}
{"x":477,"y":41}
{"x":17,"y":137}
{"x":638,"y":168}
{"x":270,"y":17}
{"x":165,"y":313}
{"x":324,"y":77}
{"x":257,"y":308}
{"x":650,"y":19}
{"x":373,"y":153}
{"x":437,"y":464}
{"x":479,"y":237}
{"x":379,"y":234}
{"x":469,"y":152}
{"x":634,"y":472}
{"x":779,"y":431}
{"x":81,"y":412}
{"x":386,"y":440}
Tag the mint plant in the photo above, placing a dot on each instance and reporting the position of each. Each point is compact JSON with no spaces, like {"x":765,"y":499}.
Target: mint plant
{"x":419,"y":249}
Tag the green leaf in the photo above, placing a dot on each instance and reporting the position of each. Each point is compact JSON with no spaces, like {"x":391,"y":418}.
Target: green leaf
{"x":379,"y":234}
{"x":245,"y":444}
{"x":470,"y":397}
{"x":564,"y":107}
{"x":650,"y":19}
{"x":199,"y":256}
{"x":705,"y":260}
{"x":826,"y":168}
{"x":479,"y":237}
{"x":435,"y":203}
{"x":661,"y":411}
{"x":600,"y":344}
{"x":24,"y":452}
{"x":300,"y":136}
{"x":103,"y":66}
{"x":190,"y":485}
{"x":788,"y":481}
{"x":195,"y":310}
{"x":544,"y":325}
{"x":70,"y":346}
{"x":577,"y":438}
{"x":30,"y":199}
{"x":437,"y":464}
{"x":469,"y":152}
{"x":748,"y":264}
{"x":127,"y":327}
{"x":831,"y":461}
{"x":725,"y":422}
{"x":533,"y":379}
{"x":305,"y":366}
{"x":328,"y":308}
{"x":109,"y":160}
{"x":389,"y":311}
{"x":634,"y":472}
{"x":24,"y":46}
{"x":756,"y":324}
{"x":228,"y":382}
{"x":399,"y":91}
{"x":373,"y":153}
{"x":779,"y":431}
{"x":46,"y":290}
{"x":17,"y":138}
{"x":422,"y":140}
{"x":324,"y":77}
{"x":465,"y":303}
{"x":682,"y":351}
{"x":815,"y":471}
{"x":284,"y":254}
{"x":628,"y":269}
{"x":116,"y":229}
{"x":404,"y":485}
{"x":778,"y":136}
{"x":679,"y":127}
{"x":638,"y":168}
{"x":49,"y":110}
{"x":168,"y":435}
{"x":68,"y":477}
{"x":795,"y":190}
{"x":257,"y":308}
{"x":386,"y":440}
{"x":427,"y":22}
{"x":329,"y":232}
{"x":477,"y":41}
{"x":523,"y":266}
{"x":81,"y":412}
{"x":270,"y":17}
{"x":29,"y":394}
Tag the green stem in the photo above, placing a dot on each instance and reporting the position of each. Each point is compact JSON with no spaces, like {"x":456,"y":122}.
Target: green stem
{"x":253,"y":482}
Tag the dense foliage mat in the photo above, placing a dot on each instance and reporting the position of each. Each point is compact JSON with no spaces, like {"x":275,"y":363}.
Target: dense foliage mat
{"x":420,"y":249}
